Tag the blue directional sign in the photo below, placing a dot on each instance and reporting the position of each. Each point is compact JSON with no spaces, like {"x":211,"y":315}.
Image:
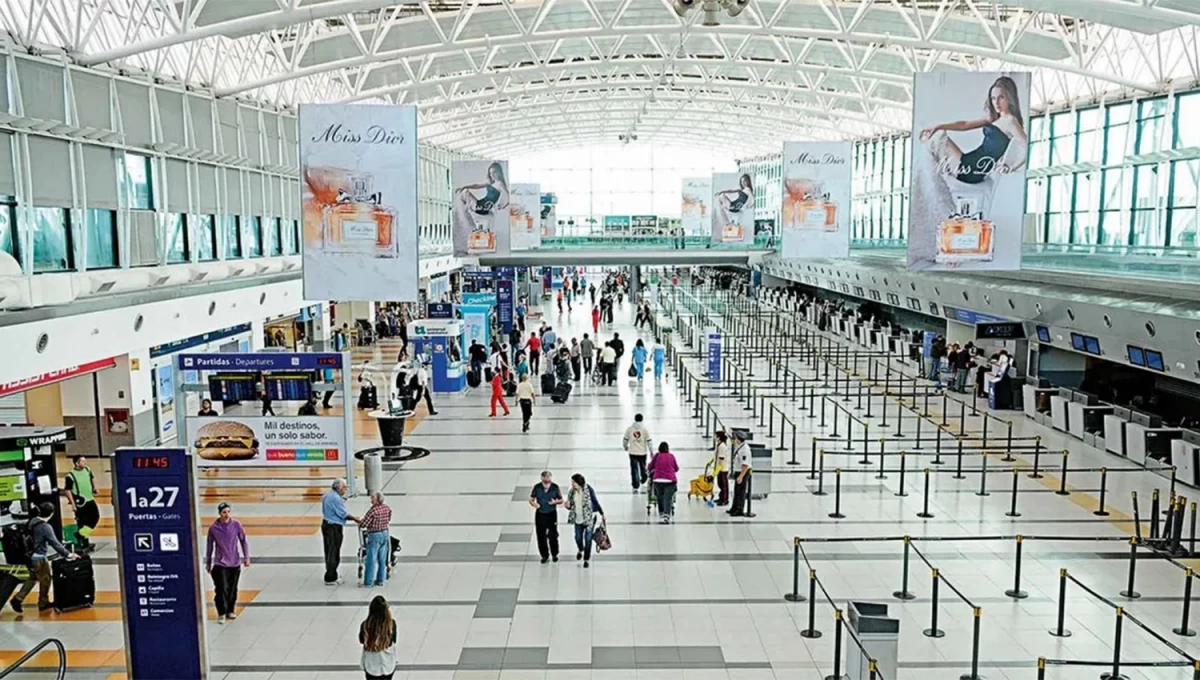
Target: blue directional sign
{"x":159,"y":557}
{"x":504,"y":303}
{"x":262,"y":361}
{"x":713,"y":341}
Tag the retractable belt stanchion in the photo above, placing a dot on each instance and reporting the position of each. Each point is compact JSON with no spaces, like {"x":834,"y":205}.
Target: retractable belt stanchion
{"x":795,"y":595}
{"x":1187,"y":605}
{"x":903,"y":593}
{"x":1012,"y":510}
{"x":1103,"y":489}
{"x":1016,"y":593}
{"x":837,"y":495}
{"x":933,"y":631}
{"x":1060,"y":631}
{"x":1137,"y":516}
{"x":925,"y":514}
{"x":982,"y":472}
{"x":1062,"y":482}
{"x":1037,"y":458}
{"x":811,"y":632}
{"x":837,"y":646}
{"x":1129,"y":592}
{"x":902,"y":493}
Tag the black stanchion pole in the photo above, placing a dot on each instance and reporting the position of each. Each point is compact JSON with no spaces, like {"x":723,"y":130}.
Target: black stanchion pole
{"x":811,"y":632}
{"x":982,"y":474}
{"x":1103,"y":489}
{"x":1129,"y":593}
{"x":1154,"y":514}
{"x":1062,"y":606}
{"x":820,"y":475}
{"x":903,"y":493}
{"x":974,"y":675}
{"x":881,"y":474}
{"x":1116,"y":669}
{"x":932,"y":631}
{"x":1037,"y":458}
{"x":958,"y":474}
{"x":925,"y":514}
{"x":903,"y":593}
{"x":837,"y":495}
{"x":937,"y":459}
{"x":1016,"y":593}
{"x":1062,"y":482}
{"x":1012,"y":510}
{"x":1137,"y":516}
{"x":1192,"y":532}
{"x":1041,"y":674}
{"x":795,"y":595}
{"x":1187,"y":606}
{"x":749,"y":495}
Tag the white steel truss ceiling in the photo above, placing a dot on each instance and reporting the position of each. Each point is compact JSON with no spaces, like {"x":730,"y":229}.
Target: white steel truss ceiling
{"x":497,"y":76}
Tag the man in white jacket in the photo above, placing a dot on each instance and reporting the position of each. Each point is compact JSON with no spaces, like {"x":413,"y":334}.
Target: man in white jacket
{"x":637,"y":445}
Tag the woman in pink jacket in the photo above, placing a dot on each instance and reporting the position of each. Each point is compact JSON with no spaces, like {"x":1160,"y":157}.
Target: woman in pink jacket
{"x":664,"y":473}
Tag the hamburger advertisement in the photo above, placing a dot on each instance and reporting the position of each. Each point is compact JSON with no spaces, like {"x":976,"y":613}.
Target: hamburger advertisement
{"x":231,"y":441}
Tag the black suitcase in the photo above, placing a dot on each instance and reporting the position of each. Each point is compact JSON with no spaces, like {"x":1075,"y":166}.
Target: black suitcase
{"x":472,"y":378}
{"x":561,"y":393}
{"x":12,"y":541}
{"x":488,"y":374}
{"x":510,"y":388}
{"x":547,"y":383}
{"x":367,"y":397}
{"x":74,"y":583}
{"x":8,"y":585}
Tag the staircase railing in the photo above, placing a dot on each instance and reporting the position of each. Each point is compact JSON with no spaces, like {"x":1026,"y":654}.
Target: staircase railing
{"x":62,"y":658}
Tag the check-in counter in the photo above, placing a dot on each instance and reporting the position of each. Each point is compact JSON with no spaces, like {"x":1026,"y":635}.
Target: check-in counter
{"x":1185,"y":456}
{"x":1150,"y":445}
{"x":1114,"y":430}
{"x":1087,"y":421}
{"x":1036,"y":401}
{"x":1059,"y":416}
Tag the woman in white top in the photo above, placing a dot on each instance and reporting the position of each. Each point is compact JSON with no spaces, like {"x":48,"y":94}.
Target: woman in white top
{"x":378,"y":637}
{"x":721,"y":466}
{"x":525,"y":397}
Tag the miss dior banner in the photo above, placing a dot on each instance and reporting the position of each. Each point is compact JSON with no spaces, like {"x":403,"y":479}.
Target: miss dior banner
{"x":697,"y":191}
{"x":969,"y":153}
{"x":480,"y":202}
{"x":359,"y":201}
{"x":525,"y":216}
{"x":816,"y":199}
{"x":732,"y":208}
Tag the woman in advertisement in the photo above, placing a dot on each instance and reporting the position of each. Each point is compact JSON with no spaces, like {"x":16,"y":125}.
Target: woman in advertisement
{"x":952,"y":188}
{"x":730,"y":203}
{"x":477,"y":210}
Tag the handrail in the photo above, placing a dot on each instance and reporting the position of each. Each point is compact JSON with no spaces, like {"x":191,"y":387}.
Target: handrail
{"x":62,"y":658}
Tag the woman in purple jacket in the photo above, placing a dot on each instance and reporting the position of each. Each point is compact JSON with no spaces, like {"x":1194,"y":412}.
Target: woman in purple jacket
{"x":664,"y":473}
{"x":225,"y":537}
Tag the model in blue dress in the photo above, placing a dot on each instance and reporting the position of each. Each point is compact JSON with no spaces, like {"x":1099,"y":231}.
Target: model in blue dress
{"x":639,"y":359}
{"x":469,"y":203}
{"x":731,"y":201}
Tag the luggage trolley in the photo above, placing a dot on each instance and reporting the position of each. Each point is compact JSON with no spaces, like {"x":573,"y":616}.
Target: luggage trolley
{"x":652,"y":499}
{"x":393,"y":552}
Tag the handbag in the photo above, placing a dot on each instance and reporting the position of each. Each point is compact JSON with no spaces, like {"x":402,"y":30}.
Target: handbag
{"x":600,"y":536}
{"x":632,"y":371}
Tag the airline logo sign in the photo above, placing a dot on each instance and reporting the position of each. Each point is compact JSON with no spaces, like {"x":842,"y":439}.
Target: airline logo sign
{"x":7,"y":388}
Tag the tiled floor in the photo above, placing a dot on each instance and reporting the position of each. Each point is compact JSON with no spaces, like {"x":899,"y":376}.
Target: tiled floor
{"x":699,"y":599}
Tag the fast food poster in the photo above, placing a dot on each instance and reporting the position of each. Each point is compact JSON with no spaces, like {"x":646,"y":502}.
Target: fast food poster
{"x":969,"y":150}
{"x":479,"y":200}
{"x":549,"y":215}
{"x":359,"y":201}
{"x":732,"y":208}
{"x":227,"y":441}
{"x":525,"y":217}
{"x":816,"y":199}
{"x":695,"y":205}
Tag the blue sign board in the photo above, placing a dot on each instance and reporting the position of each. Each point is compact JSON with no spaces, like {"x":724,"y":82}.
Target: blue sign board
{"x":480,"y":274}
{"x":504,"y":303}
{"x":488,"y":298}
{"x":969,"y":317}
{"x":161,"y":588}
{"x":197,"y":340}
{"x":509,"y":273}
{"x":441,"y":310}
{"x":713,"y":341}
{"x":262,"y":361}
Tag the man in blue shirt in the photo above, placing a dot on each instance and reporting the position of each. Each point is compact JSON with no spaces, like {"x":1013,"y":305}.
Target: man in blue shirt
{"x":548,"y":341}
{"x":545,"y":499}
{"x":333,"y":522}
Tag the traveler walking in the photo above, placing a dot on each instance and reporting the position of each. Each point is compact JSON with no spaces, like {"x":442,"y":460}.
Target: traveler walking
{"x":525,"y":398}
{"x":222,"y":561}
{"x":375,"y":523}
{"x":478,"y":356}
{"x":618,"y":346}
{"x":587,"y":352}
{"x":592,"y":293}
{"x":664,"y":474}
{"x":549,"y":340}
{"x":534,"y":346}
{"x":721,"y":466}
{"x":741,"y":462}
{"x":637,"y":444}
{"x":576,"y":358}
{"x":423,"y":387}
{"x":639,"y":359}
{"x":583,"y":510}
{"x":608,"y":364}
{"x":44,"y":540}
{"x":81,"y":494}
{"x":333,"y":523}
{"x":559,"y":297}
{"x":377,"y":635}
{"x":545,"y":499}
{"x":660,"y":358}
{"x":497,"y":394}
{"x":595,"y":319}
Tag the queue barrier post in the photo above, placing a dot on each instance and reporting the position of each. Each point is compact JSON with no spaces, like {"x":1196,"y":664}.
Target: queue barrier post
{"x":977,"y":612}
{"x":1103,"y":490}
{"x":1041,"y":668}
{"x":1129,"y":593}
{"x":811,"y":632}
{"x":958,"y":473}
{"x":881,"y":474}
{"x":1062,"y":481}
{"x":1016,"y":593}
{"x":1037,"y":457}
{"x":837,"y":495}
{"x":795,"y":595}
{"x":1192,"y":532}
{"x":1116,"y":667}
{"x":903,"y":593}
{"x":1060,"y":631}
{"x":820,"y":475}
{"x":1154,"y":515}
{"x":932,"y":631}
{"x":902,"y":493}
{"x":1008,"y":457}
{"x":1012,"y":510}
{"x":925,"y":514}
{"x":1137,"y":516}
{"x":982,"y":474}
{"x":1183,"y":629}
{"x":837,"y":646}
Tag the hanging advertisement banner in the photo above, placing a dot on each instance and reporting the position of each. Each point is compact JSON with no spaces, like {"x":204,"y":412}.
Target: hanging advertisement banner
{"x":228,"y":441}
{"x":359,"y":201}
{"x":694,"y":211}
{"x":480,"y":202}
{"x":713,"y":344}
{"x":967,"y":194}
{"x":524,"y":217}
{"x":549,"y":215}
{"x":732,"y":208}
{"x":816,"y":199}
{"x":616,"y":223}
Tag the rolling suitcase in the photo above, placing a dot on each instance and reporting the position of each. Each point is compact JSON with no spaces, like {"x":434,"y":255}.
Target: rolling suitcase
{"x":510,"y":388}
{"x":14,"y":542}
{"x":473,"y":378}
{"x":367,"y":398}
{"x":547,"y":383}
{"x":561,"y":393}
{"x":74,"y":584}
{"x":8,"y":585}
{"x":488,"y":374}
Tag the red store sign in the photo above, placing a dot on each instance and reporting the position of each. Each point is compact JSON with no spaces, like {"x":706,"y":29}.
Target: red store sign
{"x":7,"y":388}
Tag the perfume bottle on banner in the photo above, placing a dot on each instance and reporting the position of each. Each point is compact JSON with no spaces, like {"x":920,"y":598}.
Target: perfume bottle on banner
{"x":965,"y":236}
{"x":357,"y":222}
{"x":809,"y":206}
{"x":732,"y":233}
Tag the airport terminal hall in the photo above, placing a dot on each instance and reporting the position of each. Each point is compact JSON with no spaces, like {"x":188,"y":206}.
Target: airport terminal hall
{"x":599,"y":339}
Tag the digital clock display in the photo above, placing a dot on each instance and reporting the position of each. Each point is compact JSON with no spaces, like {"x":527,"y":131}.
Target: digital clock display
{"x":151,"y":463}
{"x":327,"y":361}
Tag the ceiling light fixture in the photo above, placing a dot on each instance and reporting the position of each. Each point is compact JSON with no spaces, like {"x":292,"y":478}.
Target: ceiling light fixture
{"x":710,"y":8}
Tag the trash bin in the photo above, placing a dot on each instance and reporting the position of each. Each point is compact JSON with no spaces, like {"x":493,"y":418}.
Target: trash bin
{"x":373,"y":471}
{"x":880,"y":636}
{"x":760,"y":462}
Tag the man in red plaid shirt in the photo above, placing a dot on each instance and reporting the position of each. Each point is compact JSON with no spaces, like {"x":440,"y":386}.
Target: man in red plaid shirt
{"x":375,"y":525}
